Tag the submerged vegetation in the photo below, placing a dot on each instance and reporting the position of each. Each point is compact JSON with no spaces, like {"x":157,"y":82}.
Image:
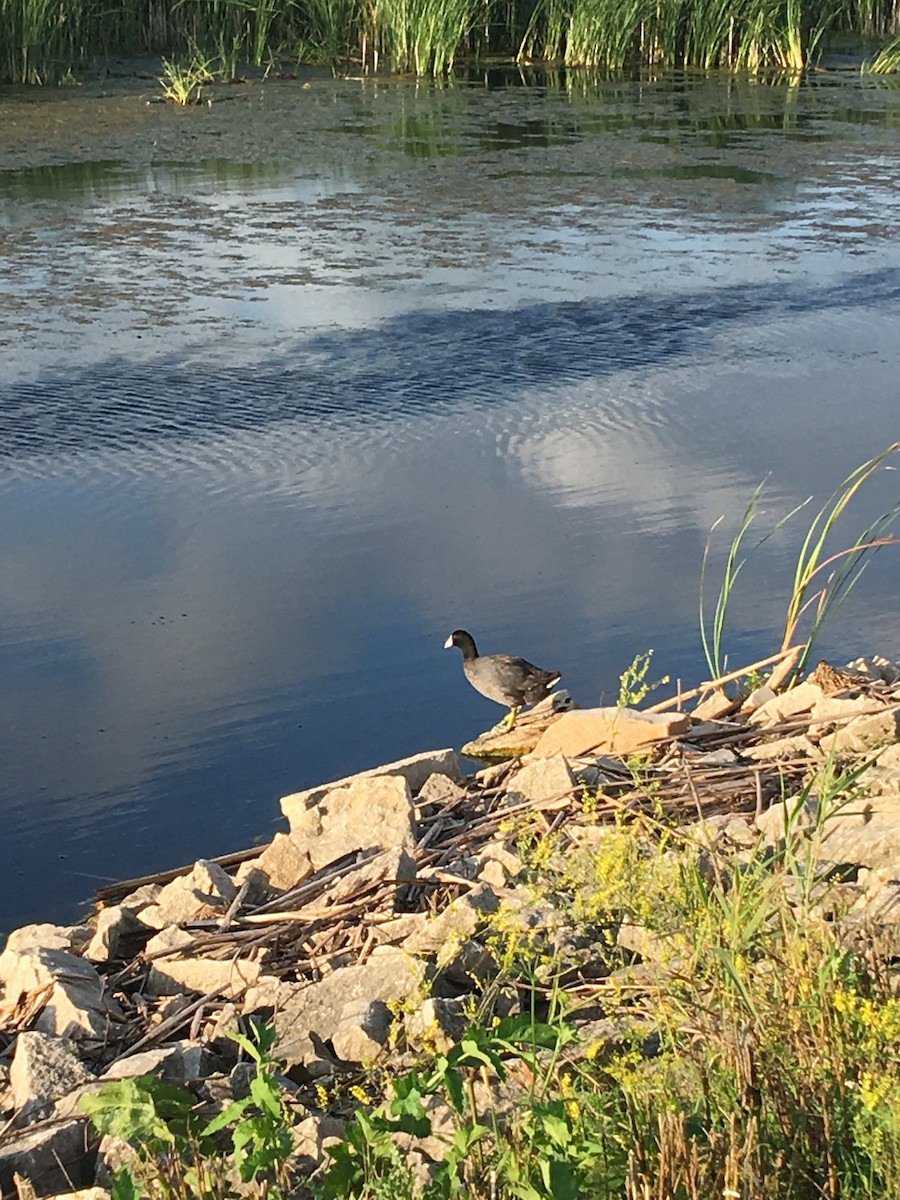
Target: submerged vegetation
{"x":41,"y":40}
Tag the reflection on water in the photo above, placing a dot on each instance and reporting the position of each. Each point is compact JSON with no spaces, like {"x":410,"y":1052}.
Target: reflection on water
{"x":485,"y":356}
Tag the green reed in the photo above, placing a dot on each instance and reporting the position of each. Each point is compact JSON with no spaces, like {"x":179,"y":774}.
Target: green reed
{"x":42,"y":40}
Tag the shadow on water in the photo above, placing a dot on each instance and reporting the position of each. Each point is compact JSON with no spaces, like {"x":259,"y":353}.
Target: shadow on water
{"x":407,"y":364}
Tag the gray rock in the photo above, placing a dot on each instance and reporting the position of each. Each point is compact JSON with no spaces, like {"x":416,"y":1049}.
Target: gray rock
{"x":44,"y":1068}
{"x":372,"y":812}
{"x":206,"y":891}
{"x":362,"y":1030}
{"x":141,"y":897}
{"x":786,"y":747}
{"x":414,"y":770}
{"x":77,"y":1003}
{"x":53,"y":1157}
{"x":315,"y":1008}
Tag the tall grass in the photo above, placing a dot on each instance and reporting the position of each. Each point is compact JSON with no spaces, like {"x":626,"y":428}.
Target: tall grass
{"x":40,"y":40}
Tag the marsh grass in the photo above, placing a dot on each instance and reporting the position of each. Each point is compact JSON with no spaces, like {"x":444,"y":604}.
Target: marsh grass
{"x":40,"y":40}
{"x":824,"y":573}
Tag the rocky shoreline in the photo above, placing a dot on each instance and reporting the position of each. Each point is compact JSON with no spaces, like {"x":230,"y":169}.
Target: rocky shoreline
{"x":360,"y":934}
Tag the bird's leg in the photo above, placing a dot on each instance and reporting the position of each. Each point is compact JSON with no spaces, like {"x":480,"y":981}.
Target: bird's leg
{"x":510,"y":719}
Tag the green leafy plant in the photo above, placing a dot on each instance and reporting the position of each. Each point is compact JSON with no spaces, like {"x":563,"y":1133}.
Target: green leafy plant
{"x":178,"y":1154}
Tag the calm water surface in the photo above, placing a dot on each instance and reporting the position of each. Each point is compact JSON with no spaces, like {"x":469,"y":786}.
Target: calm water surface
{"x":292,"y":385}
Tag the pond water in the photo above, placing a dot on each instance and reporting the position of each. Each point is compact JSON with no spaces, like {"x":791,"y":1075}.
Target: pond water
{"x":293,"y":384}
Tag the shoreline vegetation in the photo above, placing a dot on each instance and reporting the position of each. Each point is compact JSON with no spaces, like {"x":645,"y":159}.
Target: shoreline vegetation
{"x":49,"y":41}
{"x":651,"y":956}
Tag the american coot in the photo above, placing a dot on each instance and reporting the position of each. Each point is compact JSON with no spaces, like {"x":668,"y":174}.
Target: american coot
{"x":501,"y":677}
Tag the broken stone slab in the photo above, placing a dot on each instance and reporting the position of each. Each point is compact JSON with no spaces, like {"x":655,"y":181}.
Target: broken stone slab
{"x":43,"y":1069}
{"x":205,"y":891}
{"x":142,"y":897}
{"x":314,"y":1009}
{"x":837,"y":710}
{"x":498,"y":745}
{"x":177,"y":973}
{"x":54,"y":1158}
{"x":543,"y":779}
{"x":497,"y":865}
{"x":714,"y":706}
{"x":458,"y":921}
{"x":799,"y":699}
{"x":47,"y":937}
{"x":114,"y":925}
{"x":864,"y":832}
{"x":164,"y":1062}
{"x":362,"y":1030}
{"x":620,"y":731}
{"x":787,"y":747}
{"x":77,"y":1003}
{"x":285,"y":862}
{"x":439,"y":790}
{"x":372,"y":812}
{"x":864,"y":734}
{"x":414,"y":770}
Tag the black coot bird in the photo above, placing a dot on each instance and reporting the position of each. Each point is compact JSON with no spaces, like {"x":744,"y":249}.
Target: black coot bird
{"x":500,"y":677}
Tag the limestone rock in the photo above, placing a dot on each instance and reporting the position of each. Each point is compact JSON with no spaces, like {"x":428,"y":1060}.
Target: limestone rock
{"x":206,"y":891}
{"x":77,"y":1004}
{"x":540,"y":780}
{"x":43,"y":1069}
{"x":113,"y":925}
{"x":439,"y":790}
{"x":865,"y":831}
{"x":864,"y":734}
{"x":414,"y":770}
{"x":620,"y":731}
{"x":362,"y":1030}
{"x":786,"y":747}
{"x":142,"y":897}
{"x":455,"y":923}
{"x":164,"y":1061}
{"x":53,"y":1157}
{"x":388,"y":974}
{"x":47,"y":937}
{"x":372,"y":812}
{"x":836,"y":710}
{"x":285,"y":862}
{"x":799,"y":699}
{"x":714,"y":706}
{"x":177,"y":973}
{"x":499,"y":745}
{"x":268,"y":994}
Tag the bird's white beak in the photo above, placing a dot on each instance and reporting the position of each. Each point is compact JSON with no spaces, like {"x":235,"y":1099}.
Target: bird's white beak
{"x":448,"y":645}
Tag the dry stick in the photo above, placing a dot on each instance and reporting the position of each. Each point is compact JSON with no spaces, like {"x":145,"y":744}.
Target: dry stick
{"x":175,"y":1022}
{"x":722,"y":679}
